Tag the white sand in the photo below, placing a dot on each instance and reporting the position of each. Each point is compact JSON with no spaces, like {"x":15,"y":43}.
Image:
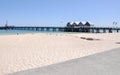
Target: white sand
{"x":22,"y":52}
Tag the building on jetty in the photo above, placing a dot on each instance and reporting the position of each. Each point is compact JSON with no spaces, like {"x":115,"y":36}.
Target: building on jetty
{"x":79,"y":24}
{"x":89,"y":27}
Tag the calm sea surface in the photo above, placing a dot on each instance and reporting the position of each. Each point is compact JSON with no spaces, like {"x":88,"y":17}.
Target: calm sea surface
{"x":12,"y":32}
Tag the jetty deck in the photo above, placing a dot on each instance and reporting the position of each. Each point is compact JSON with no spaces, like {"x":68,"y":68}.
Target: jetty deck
{"x":66,"y":29}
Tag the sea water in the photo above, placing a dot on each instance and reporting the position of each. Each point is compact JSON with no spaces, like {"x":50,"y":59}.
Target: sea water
{"x":14,"y":32}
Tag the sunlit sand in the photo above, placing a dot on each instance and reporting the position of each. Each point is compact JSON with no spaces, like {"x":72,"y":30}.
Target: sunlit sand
{"x":26,"y":51}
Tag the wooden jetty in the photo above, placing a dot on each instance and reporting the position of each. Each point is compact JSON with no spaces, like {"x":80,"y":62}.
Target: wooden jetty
{"x":66,"y":29}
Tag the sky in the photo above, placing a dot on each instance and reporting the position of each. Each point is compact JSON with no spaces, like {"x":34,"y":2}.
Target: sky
{"x":59,"y":12}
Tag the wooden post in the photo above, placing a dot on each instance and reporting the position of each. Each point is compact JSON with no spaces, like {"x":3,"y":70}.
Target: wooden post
{"x":104,"y":30}
{"x":54,"y":29}
{"x":42,"y":29}
{"x":97,"y":31}
{"x":36,"y":29}
{"x":92,"y":30}
{"x":117,"y":30}
{"x":110,"y":30}
{"x":47,"y":29}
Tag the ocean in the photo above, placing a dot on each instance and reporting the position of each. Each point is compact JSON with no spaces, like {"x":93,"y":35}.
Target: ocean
{"x":14,"y":32}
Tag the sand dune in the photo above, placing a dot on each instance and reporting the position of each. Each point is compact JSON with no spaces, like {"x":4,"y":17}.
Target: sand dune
{"x":22,"y":52}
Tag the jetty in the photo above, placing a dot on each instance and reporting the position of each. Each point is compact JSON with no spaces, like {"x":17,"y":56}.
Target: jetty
{"x":86,"y":27}
{"x":66,"y":29}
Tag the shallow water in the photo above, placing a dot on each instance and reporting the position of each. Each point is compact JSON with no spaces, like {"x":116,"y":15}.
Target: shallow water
{"x":12,"y":32}
{"x":15,"y":32}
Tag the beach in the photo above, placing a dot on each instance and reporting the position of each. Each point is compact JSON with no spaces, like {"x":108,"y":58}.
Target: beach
{"x":28,"y":51}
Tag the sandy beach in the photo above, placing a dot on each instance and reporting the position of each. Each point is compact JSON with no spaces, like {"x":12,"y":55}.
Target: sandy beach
{"x":26,"y":51}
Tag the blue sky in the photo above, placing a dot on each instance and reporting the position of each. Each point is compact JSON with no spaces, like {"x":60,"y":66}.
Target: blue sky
{"x":59,"y":12}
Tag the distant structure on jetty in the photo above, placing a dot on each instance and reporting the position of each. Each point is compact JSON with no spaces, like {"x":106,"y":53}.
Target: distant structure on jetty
{"x":79,"y":24}
{"x":86,"y":27}
{"x":89,"y":28}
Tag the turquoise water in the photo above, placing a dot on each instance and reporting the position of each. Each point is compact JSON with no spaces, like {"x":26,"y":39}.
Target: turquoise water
{"x":12,"y":32}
